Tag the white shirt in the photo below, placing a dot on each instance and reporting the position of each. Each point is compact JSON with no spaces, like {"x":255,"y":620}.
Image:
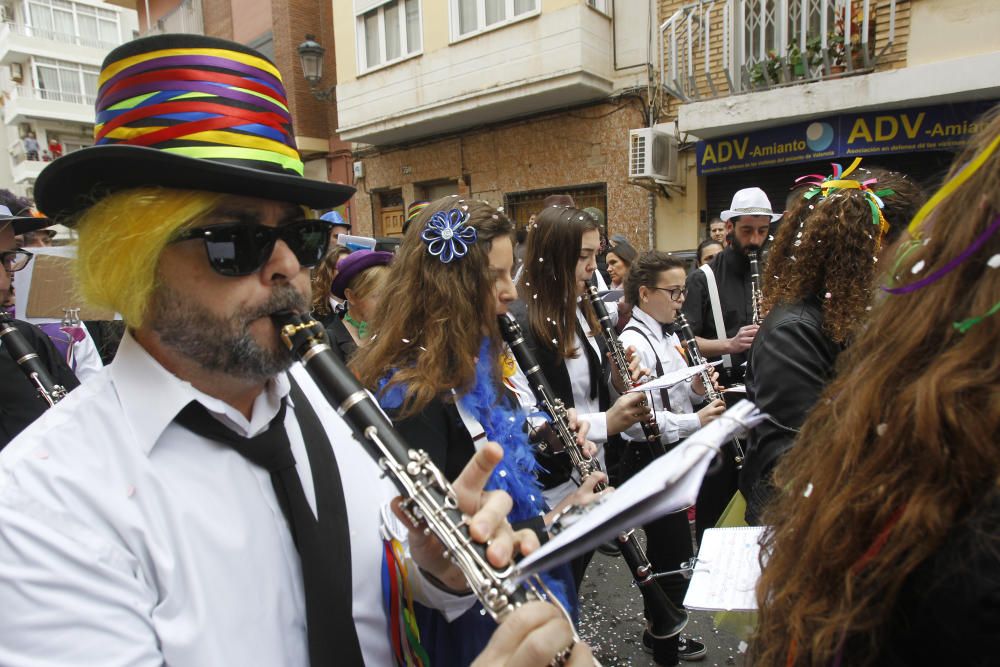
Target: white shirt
{"x":127,"y":540}
{"x":678,"y":422}
{"x":587,"y":408}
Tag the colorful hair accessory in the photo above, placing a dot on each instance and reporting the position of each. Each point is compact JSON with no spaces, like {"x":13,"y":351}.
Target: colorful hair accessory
{"x":964,"y":325}
{"x":838,"y":181}
{"x":447,"y":236}
{"x":960,"y":178}
{"x":950,"y":266}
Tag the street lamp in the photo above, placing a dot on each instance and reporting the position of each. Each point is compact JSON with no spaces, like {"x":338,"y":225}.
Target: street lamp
{"x":311,"y":56}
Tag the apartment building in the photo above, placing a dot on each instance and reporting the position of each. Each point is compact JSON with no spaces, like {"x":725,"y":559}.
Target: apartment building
{"x":504,"y":100}
{"x":760,"y":92}
{"x":50,"y":56}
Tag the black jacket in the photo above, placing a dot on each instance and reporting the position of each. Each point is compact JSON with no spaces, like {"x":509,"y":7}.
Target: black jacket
{"x":19,"y":401}
{"x":790,"y":363}
{"x":558,"y":467}
{"x":732,"y":275}
{"x":341,"y":342}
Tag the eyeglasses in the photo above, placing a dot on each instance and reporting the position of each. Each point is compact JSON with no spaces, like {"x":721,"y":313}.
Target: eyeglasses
{"x":15,"y":260}
{"x":675,"y":293}
{"x":239,"y":249}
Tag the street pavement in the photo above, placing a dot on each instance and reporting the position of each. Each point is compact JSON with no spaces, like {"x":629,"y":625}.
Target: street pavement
{"x":611,"y":620}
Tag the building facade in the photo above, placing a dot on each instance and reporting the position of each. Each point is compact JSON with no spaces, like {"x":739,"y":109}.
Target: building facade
{"x":504,"y":100}
{"x":764,"y":91}
{"x":50,"y":56}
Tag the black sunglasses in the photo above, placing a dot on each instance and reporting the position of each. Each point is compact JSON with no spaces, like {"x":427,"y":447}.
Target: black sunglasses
{"x":15,"y":260}
{"x":675,"y":293}
{"x":239,"y":249}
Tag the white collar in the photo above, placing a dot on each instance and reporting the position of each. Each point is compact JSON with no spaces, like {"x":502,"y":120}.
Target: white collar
{"x":647,"y":320}
{"x":151,"y":396}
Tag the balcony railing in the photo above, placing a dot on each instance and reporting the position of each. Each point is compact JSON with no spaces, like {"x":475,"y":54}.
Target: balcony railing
{"x":62,"y":37}
{"x":717,"y":47}
{"x":27,"y":92}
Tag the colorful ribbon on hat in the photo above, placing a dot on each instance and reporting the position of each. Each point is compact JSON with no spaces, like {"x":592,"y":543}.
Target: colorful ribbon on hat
{"x":208,"y":103}
{"x":825,"y":185}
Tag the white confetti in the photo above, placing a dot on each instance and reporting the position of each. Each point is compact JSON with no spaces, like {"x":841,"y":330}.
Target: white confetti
{"x":827,"y":296}
{"x":503,"y":473}
{"x":881,"y":429}
{"x":406,"y":340}
{"x":918,"y":267}
{"x":809,"y":490}
{"x":994,"y":261}
{"x":875,"y":260}
{"x":541,"y":259}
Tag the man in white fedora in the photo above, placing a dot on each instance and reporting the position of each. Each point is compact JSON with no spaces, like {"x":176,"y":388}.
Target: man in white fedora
{"x":720,"y":291}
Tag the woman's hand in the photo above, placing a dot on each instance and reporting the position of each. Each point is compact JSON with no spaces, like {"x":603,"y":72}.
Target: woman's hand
{"x":711,"y":412}
{"x":582,"y":496}
{"x":627,"y":410}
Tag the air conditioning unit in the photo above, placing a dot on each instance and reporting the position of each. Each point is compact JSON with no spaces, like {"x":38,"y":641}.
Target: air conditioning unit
{"x":6,"y":14}
{"x":16,"y":71}
{"x":652,"y":154}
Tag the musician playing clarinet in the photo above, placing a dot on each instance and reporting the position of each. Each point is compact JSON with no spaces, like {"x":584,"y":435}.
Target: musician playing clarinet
{"x":655,"y":291}
{"x":723,"y":290}
{"x":201,"y":502}
{"x":20,"y":399}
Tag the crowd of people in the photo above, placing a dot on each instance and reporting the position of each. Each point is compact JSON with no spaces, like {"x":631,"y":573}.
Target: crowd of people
{"x":200,"y":501}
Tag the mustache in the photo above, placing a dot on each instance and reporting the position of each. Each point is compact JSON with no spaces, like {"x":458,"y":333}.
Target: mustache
{"x":284,"y":297}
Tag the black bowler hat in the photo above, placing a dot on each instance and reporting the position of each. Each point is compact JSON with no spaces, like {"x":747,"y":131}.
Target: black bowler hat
{"x":188,"y":112}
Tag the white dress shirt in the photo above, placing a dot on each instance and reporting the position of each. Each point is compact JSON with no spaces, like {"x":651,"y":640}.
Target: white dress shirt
{"x":680,"y":421}
{"x":127,"y":540}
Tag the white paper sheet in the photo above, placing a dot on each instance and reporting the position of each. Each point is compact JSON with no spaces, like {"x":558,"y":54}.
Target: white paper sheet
{"x":726,"y":573}
{"x":668,"y":484}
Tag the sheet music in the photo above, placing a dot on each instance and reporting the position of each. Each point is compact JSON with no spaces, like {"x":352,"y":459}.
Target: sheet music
{"x":727,"y":570}
{"x":668,"y":484}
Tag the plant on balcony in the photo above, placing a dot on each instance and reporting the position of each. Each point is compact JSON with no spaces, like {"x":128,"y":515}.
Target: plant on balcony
{"x":766,"y":71}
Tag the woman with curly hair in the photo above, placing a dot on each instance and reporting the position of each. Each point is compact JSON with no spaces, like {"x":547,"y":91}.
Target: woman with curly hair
{"x":820,"y":277}
{"x":884,"y":546}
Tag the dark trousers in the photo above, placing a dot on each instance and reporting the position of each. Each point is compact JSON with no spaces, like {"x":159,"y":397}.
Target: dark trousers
{"x":668,"y":544}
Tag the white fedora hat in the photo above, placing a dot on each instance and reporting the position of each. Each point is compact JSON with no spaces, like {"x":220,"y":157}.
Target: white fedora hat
{"x":749,"y":201}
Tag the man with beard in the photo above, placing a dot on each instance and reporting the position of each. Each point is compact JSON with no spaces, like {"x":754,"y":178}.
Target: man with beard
{"x":200,"y":502}
{"x":748,"y":222}
{"x":20,"y":403}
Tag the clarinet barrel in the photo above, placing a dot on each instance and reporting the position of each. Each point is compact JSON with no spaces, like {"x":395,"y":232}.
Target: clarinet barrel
{"x":29,"y":362}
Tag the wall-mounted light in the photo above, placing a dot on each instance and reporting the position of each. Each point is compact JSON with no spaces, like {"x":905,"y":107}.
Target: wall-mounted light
{"x":311,"y":57}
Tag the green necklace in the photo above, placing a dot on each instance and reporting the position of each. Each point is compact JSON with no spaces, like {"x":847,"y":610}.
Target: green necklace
{"x":362,"y":327}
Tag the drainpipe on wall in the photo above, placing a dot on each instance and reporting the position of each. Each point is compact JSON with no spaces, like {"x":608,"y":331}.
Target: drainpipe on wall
{"x":651,"y":236}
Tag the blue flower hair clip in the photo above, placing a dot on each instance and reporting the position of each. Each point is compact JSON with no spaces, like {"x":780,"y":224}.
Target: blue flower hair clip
{"x":447,"y":236}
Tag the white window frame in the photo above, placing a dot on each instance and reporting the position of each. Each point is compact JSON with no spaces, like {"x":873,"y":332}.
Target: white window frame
{"x":59,"y":95}
{"x":405,"y":54}
{"x":98,"y":13}
{"x":455,"y":22}
{"x":602,"y":6}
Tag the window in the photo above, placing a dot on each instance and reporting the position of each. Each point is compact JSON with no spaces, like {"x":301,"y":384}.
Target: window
{"x":388,"y":33}
{"x":64,"y":81}
{"x":472,"y":16}
{"x":73,"y":23}
{"x":600,"y":5}
{"x":520,"y":206}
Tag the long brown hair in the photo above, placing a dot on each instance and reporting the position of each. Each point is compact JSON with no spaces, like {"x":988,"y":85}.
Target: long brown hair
{"x":828,"y":248}
{"x":432,"y":317}
{"x":900,"y":448}
{"x":548,"y":284}
{"x":323,"y":278}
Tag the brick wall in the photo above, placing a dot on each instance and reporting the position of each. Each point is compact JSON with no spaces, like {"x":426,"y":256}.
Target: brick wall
{"x":582,"y":146}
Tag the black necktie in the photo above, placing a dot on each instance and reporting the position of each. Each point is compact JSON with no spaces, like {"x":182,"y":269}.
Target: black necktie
{"x":593,"y":362}
{"x":323,"y":544}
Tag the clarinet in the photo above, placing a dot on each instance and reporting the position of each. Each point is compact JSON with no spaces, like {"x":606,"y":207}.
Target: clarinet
{"x":756,"y":297}
{"x":694,"y":352}
{"x":428,"y":498}
{"x":620,"y":362}
{"x":665,"y":619}
{"x":29,"y":362}
{"x":711,"y":393}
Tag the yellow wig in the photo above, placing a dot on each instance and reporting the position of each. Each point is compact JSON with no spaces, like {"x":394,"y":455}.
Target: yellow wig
{"x":121,"y":238}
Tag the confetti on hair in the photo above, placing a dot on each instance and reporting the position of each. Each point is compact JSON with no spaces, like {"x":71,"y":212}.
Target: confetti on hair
{"x":950,"y":266}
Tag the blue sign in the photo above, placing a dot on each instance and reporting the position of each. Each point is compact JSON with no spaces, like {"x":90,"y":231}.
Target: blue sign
{"x":937,"y":128}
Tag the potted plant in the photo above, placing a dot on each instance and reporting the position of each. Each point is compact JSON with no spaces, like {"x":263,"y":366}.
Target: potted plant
{"x":766,"y":71}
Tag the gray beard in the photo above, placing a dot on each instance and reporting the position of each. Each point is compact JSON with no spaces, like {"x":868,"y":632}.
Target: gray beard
{"x":223,"y":344}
